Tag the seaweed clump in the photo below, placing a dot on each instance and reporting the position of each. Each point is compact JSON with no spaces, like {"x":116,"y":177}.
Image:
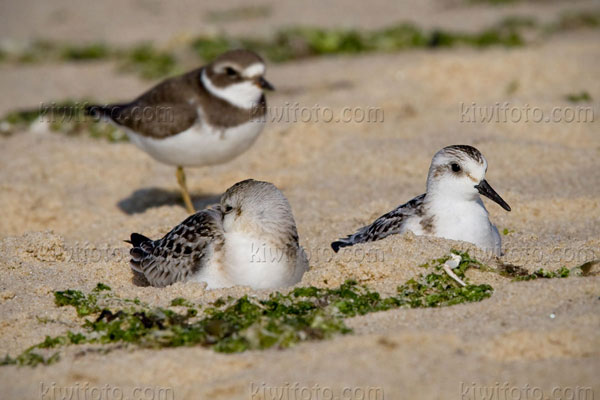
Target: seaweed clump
{"x":562,"y":272}
{"x":233,"y":325}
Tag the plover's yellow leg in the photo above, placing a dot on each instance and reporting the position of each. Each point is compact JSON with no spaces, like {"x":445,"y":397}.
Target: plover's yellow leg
{"x":184,"y":190}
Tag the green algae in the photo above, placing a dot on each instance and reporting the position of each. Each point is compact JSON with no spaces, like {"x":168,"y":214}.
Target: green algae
{"x":148,"y":61}
{"x":562,"y":272}
{"x":293,"y":43}
{"x":232,"y":325}
{"x":579,"y":97}
{"x":67,"y":117}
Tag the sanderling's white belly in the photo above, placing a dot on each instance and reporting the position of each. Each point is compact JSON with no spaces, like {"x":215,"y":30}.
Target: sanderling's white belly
{"x":485,"y":236}
{"x":257,"y":263}
{"x":200,"y":145}
{"x":249,"y":261}
{"x":469,"y":222}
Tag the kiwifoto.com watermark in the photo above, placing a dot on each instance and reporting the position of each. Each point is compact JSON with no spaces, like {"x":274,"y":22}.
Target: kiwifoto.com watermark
{"x":373,"y":252}
{"x":61,"y":113}
{"x":85,"y":391}
{"x":508,"y":113}
{"x":296,"y":391}
{"x":506,"y":391}
{"x":377,"y":252}
{"x":286,"y":113}
{"x":296,"y":112}
{"x":263,"y":253}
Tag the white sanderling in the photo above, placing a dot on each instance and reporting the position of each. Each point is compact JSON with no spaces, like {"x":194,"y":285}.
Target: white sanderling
{"x":451,"y":208}
{"x":250,"y":239}
{"x":207,"y":116}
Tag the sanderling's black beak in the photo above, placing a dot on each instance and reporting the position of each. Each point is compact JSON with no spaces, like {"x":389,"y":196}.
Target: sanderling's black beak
{"x":485,"y":189}
{"x":264,"y":84}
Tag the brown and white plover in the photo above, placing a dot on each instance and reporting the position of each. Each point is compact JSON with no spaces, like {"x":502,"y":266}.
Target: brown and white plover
{"x":207,"y":116}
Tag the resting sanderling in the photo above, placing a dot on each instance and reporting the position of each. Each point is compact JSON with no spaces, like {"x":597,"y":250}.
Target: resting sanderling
{"x":250,"y":239}
{"x":451,"y":208}
{"x":207,"y":116}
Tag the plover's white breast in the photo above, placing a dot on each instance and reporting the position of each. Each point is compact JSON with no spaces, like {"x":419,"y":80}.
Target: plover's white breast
{"x":201,"y":144}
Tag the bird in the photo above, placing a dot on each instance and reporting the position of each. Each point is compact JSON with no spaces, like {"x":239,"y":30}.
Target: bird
{"x":207,"y":116}
{"x":451,"y":208}
{"x":249,"y":239}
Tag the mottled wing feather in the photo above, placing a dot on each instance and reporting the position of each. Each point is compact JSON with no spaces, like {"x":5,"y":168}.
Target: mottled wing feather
{"x":384,"y":226}
{"x":182,"y":252}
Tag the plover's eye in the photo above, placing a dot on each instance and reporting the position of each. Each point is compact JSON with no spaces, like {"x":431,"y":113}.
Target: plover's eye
{"x":230,"y":71}
{"x":228,"y":208}
{"x":455,"y":167}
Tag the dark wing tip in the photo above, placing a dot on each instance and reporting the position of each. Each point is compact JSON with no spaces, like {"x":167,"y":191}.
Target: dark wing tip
{"x":137,"y":239}
{"x":137,"y":252}
{"x":111,"y":111}
{"x":94,"y":110}
{"x":339,"y":244}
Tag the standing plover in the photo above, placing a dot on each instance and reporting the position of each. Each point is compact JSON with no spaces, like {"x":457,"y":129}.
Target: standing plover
{"x":249,"y":239}
{"x":207,"y":116}
{"x":451,"y":208}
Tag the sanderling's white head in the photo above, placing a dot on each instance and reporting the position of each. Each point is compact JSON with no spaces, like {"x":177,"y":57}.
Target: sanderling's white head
{"x":261,"y":239}
{"x":458,"y":172}
{"x":237,"y":76}
{"x":258,"y":207}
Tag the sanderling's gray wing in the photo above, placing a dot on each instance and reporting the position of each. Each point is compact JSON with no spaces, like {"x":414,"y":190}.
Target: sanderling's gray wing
{"x":182,"y":252}
{"x":384,"y":226}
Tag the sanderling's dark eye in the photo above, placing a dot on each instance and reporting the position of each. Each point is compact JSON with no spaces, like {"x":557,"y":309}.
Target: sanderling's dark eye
{"x":228,"y":208}
{"x":230,"y":71}
{"x":455,"y":167}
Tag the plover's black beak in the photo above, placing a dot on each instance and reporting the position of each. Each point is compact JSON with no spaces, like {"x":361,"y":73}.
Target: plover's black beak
{"x":485,"y":189}
{"x":264,"y":84}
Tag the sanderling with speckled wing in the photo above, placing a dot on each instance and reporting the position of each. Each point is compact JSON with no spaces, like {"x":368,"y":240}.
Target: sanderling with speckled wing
{"x":207,"y":116}
{"x":451,"y":208}
{"x":249,"y":239}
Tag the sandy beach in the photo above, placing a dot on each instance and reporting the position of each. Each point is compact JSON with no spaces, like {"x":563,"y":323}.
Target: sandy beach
{"x":68,"y":202}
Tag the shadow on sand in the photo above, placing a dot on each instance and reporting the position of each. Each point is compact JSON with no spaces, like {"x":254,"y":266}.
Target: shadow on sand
{"x":143,"y":199}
